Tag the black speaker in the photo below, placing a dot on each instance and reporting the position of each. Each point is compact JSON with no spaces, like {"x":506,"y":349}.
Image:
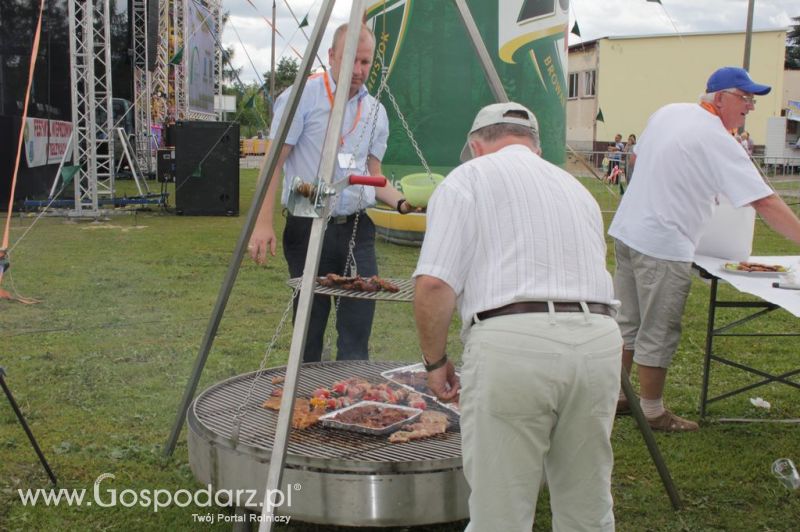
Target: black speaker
{"x":206,"y":168}
{"x":165,"y":165}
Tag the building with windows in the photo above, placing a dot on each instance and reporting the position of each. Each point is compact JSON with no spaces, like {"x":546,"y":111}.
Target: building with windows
{"x":616,"y":83}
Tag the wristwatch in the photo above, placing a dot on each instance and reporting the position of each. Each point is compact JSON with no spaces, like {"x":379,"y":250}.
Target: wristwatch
{"x":436,"y":365}
{"x":399,"y":203}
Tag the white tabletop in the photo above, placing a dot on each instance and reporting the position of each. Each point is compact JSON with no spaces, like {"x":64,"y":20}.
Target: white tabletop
{"x":758,"y":285}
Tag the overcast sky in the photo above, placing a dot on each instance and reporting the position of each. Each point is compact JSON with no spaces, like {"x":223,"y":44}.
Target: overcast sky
{"x":596,"y":18}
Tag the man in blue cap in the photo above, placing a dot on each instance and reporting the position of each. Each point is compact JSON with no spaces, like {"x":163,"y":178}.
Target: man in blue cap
{"x":686,"y":159}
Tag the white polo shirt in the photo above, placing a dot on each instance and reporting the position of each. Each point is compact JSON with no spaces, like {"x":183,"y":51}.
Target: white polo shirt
{"x":510,"y":226}
{"x":307,"y":135}
{"x":685,"y":159}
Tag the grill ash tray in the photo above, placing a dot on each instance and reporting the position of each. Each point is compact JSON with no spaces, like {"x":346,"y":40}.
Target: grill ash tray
{"x":371,"y":420}
{"x":415,"y":379}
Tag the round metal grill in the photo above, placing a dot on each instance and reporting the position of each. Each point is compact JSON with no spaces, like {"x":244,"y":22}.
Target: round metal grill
{"x":346,"y":478}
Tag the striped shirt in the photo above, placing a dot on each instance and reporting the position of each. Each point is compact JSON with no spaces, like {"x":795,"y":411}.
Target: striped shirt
{"x":510,"y":226}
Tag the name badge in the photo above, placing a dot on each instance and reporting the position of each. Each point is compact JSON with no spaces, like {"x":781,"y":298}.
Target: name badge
{"x":347,"y":161}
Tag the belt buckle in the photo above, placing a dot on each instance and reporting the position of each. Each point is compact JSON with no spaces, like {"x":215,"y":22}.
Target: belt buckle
{"x":338,"y":220}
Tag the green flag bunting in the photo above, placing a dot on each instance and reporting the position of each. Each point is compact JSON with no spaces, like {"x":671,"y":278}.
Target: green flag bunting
{"x":304,"y":22}
{"x":656,"y":1}
{"x":68,"y":172}
{"x":176,"y":59}
{"x":599,"y":116}
{"x":575,"y":29}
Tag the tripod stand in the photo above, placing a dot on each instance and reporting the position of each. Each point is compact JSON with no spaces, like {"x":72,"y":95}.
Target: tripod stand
{"x":27,"y":429}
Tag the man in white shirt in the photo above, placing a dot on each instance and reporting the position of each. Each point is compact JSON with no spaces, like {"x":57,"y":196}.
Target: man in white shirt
{"x":365,"y":131}
{"x":517,"y":245}
{"x":686,"y":157}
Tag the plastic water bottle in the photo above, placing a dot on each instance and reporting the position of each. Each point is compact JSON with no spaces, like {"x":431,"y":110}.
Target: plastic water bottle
{"x":785,"y":471}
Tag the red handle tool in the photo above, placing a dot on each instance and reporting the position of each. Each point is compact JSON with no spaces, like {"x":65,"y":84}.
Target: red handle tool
{"x":369,"y":180}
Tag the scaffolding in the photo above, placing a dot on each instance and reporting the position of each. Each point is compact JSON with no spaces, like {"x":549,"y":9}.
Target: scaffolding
{"x":142,"y":86}
{"x":160,"y":77}
{"x":90,"y":69}
{"x":178,"y":96}
{"x":160,"y":96}
{"x":216,"y":6}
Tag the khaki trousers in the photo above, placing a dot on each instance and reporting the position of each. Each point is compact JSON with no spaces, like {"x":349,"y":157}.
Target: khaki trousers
{"x":538,"y":400}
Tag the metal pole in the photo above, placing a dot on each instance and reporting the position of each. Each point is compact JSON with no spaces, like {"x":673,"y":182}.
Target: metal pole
{"x":21,"y":418}
{"x":272,"y":71}
{"x":264,"y":178}
{"x":748,"y":36}
{"x":483,"y":54}
{"x":712,"y":313}
{"x":328,"y":162}
{"x":650,"y":441}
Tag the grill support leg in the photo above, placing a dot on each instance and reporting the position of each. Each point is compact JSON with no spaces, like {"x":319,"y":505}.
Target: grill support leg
{"x":25,"y":427}
{"x":650,"y":441}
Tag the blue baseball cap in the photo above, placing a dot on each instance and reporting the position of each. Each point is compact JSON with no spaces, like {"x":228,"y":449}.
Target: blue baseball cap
{"x":735,"y":78}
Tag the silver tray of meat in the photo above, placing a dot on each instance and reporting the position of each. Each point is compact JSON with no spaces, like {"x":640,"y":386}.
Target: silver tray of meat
{"x":415,"y":378}
{"x":370,"y":417}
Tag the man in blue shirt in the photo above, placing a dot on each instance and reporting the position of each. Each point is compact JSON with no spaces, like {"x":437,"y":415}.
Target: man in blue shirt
{"x":365,"y":131}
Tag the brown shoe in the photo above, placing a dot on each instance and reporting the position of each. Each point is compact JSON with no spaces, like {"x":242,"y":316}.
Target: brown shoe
{"x":669,"y":422}
{"x":623,"y":407}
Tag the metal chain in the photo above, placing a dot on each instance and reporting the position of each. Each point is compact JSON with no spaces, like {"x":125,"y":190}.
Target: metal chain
{"x":409,"y":133}
{"x":350,"y":264}
{"x":264,"y":361}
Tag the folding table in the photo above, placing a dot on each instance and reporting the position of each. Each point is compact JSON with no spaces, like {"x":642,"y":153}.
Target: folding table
{"x":770,"y":299}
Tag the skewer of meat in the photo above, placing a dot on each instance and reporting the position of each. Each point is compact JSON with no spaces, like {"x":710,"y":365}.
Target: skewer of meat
{"x":384,"y":284}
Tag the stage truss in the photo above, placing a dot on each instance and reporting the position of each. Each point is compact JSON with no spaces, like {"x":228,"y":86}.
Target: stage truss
{"x":160,"y":95}
{"x":90,"y":68}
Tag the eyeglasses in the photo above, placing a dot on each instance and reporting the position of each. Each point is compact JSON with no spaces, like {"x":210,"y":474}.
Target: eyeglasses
{"x":749,"y":100}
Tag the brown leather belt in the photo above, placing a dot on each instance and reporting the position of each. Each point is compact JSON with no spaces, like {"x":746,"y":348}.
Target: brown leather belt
{"x":525,"y":307}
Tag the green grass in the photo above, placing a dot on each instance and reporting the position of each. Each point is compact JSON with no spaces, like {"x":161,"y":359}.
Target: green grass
{"x":100,"y":365}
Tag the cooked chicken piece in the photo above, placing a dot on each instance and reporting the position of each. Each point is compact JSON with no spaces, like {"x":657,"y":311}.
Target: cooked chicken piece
{"x":430,"y":423}
{"x":303,"y":416}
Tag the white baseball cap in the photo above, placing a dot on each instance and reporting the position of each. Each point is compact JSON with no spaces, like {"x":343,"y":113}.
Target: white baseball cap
{"x":496,"y":114}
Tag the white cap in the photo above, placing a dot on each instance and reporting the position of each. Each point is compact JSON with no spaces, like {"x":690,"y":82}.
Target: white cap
{"x":496,"y":114}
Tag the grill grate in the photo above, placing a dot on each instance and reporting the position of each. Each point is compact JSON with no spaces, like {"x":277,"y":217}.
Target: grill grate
{"x":406,"y":292}
{"x":216,"y":407}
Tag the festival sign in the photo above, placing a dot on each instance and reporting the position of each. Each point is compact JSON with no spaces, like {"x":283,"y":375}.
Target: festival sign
{"x":432,"y":69}
{"x":199,"y":57}
{"x":46,"y":141}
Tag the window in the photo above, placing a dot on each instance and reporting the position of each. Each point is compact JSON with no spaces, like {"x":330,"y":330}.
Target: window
{"x":573,"y":85}
{"x":588,"y":83}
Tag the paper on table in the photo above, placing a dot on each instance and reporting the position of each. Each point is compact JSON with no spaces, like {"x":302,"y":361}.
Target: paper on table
{"x":758,"y":286}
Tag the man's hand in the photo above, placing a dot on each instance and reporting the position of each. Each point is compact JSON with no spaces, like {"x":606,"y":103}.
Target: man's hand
{"x":262,"y":239}
{"x":406,"y":208}
{"x":444,"y":383}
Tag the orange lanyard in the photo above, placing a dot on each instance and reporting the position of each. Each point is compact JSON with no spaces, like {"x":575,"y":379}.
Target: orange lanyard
{"x":713,"y":110}
{"x":330,"y":99}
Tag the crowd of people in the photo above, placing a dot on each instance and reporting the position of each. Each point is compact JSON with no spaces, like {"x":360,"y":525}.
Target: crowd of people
{"x":546,"y":328}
